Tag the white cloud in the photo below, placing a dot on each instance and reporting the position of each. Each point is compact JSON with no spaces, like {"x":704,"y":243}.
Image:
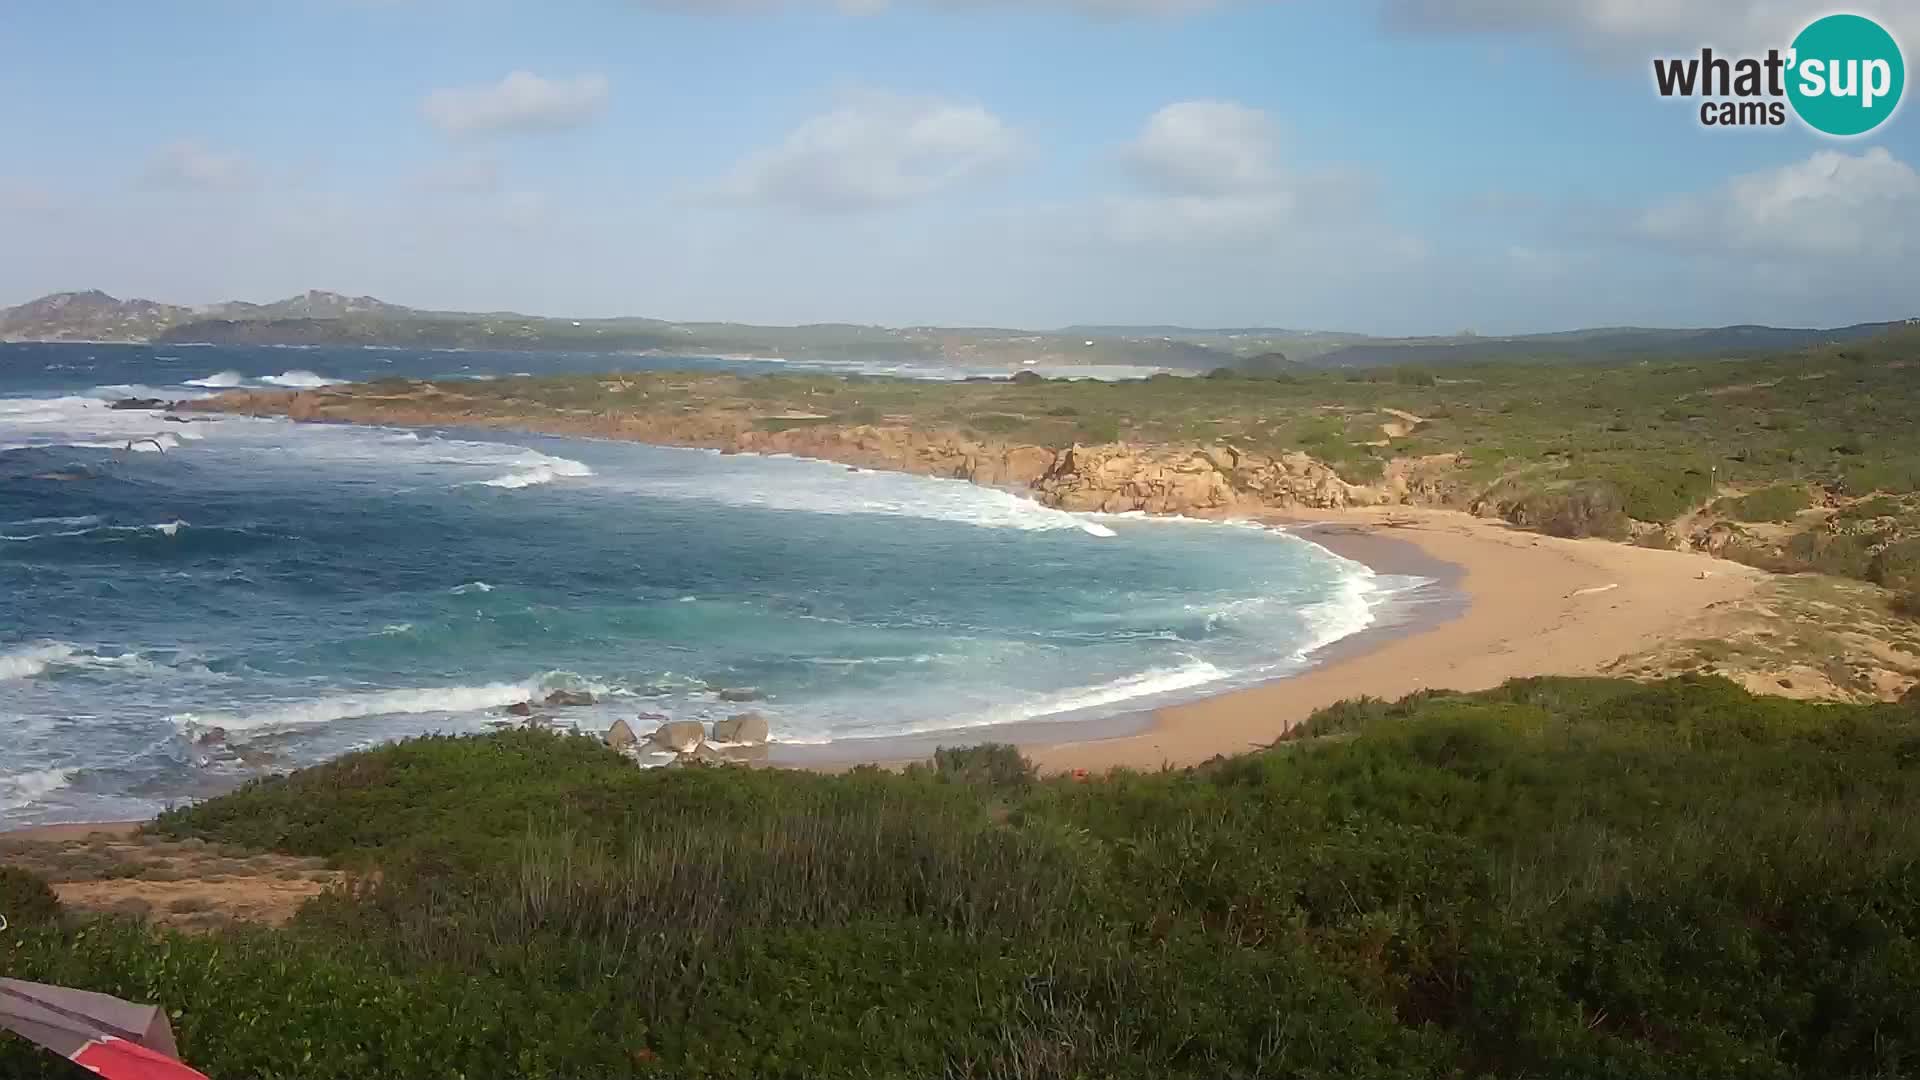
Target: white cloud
{"x":1207,"y":148}
{"x":876,"y":150}
{"x":1214,"y":179}
{"x":1614,"y":25}
{"x":1833,"y":206}
{"x":192,"y":165}
{"x":520,"y":102}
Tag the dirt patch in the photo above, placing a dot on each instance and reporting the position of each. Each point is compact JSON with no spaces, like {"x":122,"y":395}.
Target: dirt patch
{"x":186,"y":884}
{"x":1802,"y":636}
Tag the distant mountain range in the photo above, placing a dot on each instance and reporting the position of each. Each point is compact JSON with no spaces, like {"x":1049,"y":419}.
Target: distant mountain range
{"x":325,"y":318}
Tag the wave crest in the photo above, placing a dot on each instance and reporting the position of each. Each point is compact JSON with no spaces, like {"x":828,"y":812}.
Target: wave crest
{"x":298,"y":379}
{"x":324,"y":710}
{"x":224,"y":380}
{"x":24,"y":789}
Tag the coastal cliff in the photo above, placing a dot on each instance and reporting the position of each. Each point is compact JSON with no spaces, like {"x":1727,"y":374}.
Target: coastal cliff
{"x":1198,"y":480}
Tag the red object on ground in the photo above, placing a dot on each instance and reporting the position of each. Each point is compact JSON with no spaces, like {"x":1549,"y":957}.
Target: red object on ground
{"x":116,"y":1039}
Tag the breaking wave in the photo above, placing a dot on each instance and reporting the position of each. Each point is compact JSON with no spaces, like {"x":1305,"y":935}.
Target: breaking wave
{"x":298,"y":379}
{"x":325,"y":710}
{"x":224,"y":380}
{"x":27,"y":788}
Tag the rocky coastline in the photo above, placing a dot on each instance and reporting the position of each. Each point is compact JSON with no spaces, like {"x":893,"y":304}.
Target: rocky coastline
{"x":1198,"y":480}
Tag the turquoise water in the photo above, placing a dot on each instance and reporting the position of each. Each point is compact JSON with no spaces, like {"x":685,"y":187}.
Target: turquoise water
{"x":311,"y":589}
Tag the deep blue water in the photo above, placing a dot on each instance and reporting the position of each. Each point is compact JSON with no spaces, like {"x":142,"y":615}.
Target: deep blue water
{"x":310,"y":589}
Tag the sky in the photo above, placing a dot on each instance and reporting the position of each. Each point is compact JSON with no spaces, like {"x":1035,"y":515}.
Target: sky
{"x":1380,"y":166}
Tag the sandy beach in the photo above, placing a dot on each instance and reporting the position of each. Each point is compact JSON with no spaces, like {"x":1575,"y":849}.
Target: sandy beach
{"x":1533,"y":605}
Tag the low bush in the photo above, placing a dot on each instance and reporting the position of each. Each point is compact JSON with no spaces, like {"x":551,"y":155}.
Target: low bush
{"x":1588,"y":508}
{"x":1558,"y":877}
{"x":1783,"y":502}
{"x":1897,"y":566}
{"x":26,"y":899}
{"x":1097,"y":430}
{"x":991,"y":765}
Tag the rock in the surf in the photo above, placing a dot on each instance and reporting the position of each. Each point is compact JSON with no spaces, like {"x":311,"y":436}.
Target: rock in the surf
{"x":520,"y":708}
{"x":741,"y":693}
{"x":746,"y":729}
{"x":680,"y":736}
{"x":565,"y":699}
{"x":138,"y":403}
{"x":620,"y":736}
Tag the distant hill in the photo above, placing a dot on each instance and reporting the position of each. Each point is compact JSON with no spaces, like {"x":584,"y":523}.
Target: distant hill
{"x":88,"y":316}
{"x":327,"y":318}
{"x":1588,"y":345}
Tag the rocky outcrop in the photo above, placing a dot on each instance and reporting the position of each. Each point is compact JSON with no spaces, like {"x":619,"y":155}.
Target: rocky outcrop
{"x":1120,"y":477}
{"x":748,"y":729}
{"x":567,"y":699}
{"x":680,"y":736}
{"x":738,"y":694}
{"x":621,"y":737}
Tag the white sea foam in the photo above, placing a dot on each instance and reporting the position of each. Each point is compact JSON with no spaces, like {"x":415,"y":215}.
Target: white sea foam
{"x":220,"y":381}
{"x":167,"y":528}
{"x":27,"y":661}
{"x":299,"y":379}
{"x":27,"y":788}
{"x":1148,"y":683}
{"x":471,"y":587}
{"x":83,"y":519}
{"x":326,"y":710}
{"x":783,"y":482}
{"x":31,"y":660}
{"x":537,"y":469}
{"x":139,"y":444}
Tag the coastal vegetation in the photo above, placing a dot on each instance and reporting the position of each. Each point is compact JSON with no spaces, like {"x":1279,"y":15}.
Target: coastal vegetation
{"x":1558,"y":877}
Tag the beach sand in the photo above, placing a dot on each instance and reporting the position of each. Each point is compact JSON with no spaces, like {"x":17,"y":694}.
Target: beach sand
{"x":1533,"y":605}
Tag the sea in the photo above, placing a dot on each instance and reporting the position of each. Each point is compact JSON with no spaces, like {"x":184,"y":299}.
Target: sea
{"x":185,"y":605}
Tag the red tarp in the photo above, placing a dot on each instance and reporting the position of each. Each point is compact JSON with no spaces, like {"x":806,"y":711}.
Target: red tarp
{"x":115,"y":1038}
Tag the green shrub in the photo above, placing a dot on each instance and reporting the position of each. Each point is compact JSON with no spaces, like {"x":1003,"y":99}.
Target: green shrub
{"x":1897,"y":566}
{"x":26,"y":899}
{"x":1840,"y":554}
{"x":1588,"y":508}
{"x":1098,"y":429}
{"x":1558,"y":877}
{"x":989,"y":764}
{"x":1783,"y":502}
{"x":1658,"y":492}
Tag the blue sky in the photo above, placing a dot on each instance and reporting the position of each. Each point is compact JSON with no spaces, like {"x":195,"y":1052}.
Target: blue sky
{"x":1398,"y":166}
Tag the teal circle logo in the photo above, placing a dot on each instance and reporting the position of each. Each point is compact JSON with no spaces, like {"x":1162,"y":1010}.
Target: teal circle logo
{"x":1846,"y":75}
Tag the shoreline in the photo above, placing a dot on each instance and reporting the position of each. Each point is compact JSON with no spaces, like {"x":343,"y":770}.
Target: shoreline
{"x":1424,"y":609}
{"x":1529,"y":605}
{"x":1502,"y":603}
{"x":1511,"y":603}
